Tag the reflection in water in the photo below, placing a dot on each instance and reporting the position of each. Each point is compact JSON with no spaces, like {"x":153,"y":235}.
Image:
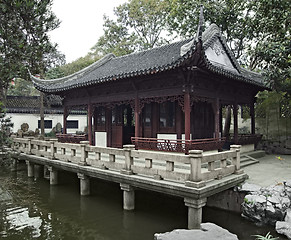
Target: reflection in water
{"x":34,"y":209}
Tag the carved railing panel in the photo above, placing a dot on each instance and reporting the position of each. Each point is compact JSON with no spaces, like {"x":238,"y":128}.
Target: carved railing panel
{"x":178,"y":145}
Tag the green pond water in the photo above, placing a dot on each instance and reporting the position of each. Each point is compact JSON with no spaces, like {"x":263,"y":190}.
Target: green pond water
{"x":32,"y":209}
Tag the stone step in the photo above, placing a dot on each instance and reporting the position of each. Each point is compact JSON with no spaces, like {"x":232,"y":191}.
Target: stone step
{"x":247,"y":160}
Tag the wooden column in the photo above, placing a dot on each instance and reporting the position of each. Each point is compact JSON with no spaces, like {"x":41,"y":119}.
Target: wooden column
{"x":187,"y":111}
{"x":178,"y":121}
{"x":108,"y":124}
{"x":252,"y":113}
{"x":136,"y":116}
{"x":227,"y":122}
{"x":216,"y":110}
{"x":66,"y":113}
{"x":155,"y":119}
{"x":235,"y":122}
{"x":90,"y":129}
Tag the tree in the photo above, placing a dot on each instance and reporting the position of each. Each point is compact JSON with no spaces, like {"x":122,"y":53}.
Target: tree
{"x":140,"y":25}
{"x":5,"y":127}
{"x":21,"y":87}
{"x":272,"y":50}
{"x":116,"y":39}
{"x":258,"y":32}
{"x":232,"y":16}
{"x":24,"y":42}
{"x":70,"y":68}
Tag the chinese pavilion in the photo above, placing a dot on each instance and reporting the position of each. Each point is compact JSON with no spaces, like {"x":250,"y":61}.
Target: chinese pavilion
{"x":172,"y":92}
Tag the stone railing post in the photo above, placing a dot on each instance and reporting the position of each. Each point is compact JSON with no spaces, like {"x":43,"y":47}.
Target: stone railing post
{"x":53,"y":148}
{"x":84,"y":153}
{"x":236,"y":160}
{"x":128,"y":159}
{"x":29,"y":146}
{"x":195,"y":179}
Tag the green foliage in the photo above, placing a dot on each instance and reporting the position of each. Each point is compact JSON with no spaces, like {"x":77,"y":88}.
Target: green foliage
{"x":278,"y":101}
{"x":72,"y":67}
{"x":231,"y":16}
{"x":267,"y":237}
{"x":258,"y":32}
{"x":139,"y":26}
{"x":24,"y":25}
{"x":5,"y":127}
{"x":22,"y":87}
{"x":116,"y":39}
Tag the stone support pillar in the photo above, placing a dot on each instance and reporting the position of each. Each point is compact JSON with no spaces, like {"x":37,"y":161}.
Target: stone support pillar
{"x":195,"y":212}
{"x":30,"y":169}
{"x":14,"y":165}
{"x":38,"y":171}
{"x":84,"y":184}
{"x":235,"y":122}
{"x":53,"y":175}
{"x":128,"y":196}
{"x":187,"y":110}
{"x":46,"y":173}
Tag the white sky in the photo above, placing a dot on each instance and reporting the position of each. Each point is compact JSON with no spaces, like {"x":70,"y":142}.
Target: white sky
{"x":81,"y":24}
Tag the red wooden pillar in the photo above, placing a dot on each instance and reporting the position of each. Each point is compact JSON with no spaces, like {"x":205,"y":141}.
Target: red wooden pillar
{"x":155,"y":119}
{"x":235,"y":122}
{"x":178,"y":121}
{"x":136,"y":116}
{"x":187,"y":110}
{"x":66,"y":113}
{"x":108,"y":126}
{"x":216,"y":110}
{"x":90,"y":129}
{"x":252,"y":113}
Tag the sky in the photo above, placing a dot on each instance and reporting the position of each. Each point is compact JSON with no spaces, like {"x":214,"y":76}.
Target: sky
{"x":81,"y":24}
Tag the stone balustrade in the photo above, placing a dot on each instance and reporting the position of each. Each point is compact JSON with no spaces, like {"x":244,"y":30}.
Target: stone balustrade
{"x":194,"y":169}
{"x":193,"y":177}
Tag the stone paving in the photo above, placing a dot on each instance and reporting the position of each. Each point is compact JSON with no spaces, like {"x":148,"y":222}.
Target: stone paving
{"x":272,"y":169}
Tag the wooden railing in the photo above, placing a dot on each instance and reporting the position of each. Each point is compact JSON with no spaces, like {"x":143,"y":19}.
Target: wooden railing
{"x":178,"y":145}
{"x":188,"y":169}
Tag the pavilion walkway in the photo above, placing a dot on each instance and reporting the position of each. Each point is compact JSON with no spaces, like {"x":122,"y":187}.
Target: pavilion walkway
{"x":175,"y":174}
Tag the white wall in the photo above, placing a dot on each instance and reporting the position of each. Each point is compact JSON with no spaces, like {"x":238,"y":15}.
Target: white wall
{"x":32,"y":120}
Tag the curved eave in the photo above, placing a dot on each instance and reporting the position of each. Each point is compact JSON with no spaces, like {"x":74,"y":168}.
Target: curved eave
{"x":216,"y":70}
{"x":39,"y":83}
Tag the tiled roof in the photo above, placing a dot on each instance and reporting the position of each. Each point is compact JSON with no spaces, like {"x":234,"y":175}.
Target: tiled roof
{"x":160,"y":59}
{"x":31,"y":104}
